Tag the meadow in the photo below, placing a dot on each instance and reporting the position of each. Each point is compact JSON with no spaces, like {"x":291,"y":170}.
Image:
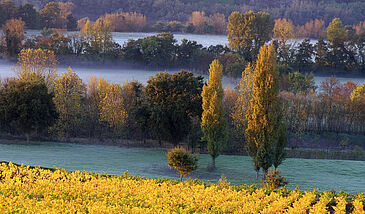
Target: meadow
{"x":325,"y":175}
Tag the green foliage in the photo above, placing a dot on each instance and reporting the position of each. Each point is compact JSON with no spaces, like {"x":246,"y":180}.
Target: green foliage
{"x":26,"y":105}
{"x":173,"y":100}
{"x":357,"y":152}
{"x":304,"y":55}
{"x":183,"y":161}
{"x":214,"y":124}
{"x":301,"y":83}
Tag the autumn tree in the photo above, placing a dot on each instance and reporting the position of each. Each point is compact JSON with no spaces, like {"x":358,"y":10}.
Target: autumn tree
{"x":337,"y":36}
{"x":248,"y":32}
{"x":199,"y":21}
{"x":183,"y":161}
{"x":112,"y":106}
{"x":70,"y":93}
{"x":13,"y":34}
{"x":51,"y":15}
{"x":219,"y":23}
{"x":126,"y":22}
{"x":243,"y":101}
{"x":41,"y":62}
{"x":263,"y":115}
{"x":283,"y":30}
{"x":27,"y":105}
{"x":214,"y":124}
{"x":98,"y":37}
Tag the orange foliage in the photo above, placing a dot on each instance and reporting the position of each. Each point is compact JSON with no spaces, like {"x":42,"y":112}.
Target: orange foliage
{"x":126,"y":22}
{"x":311,"y":29}
{"x":218,"y":21}
{"x":359,"y":28}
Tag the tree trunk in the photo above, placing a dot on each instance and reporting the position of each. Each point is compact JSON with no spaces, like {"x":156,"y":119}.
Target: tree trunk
{"x":28,"y":137}
{"x":181,"y":177}
{"x":213,"y":163}
{"x":264,"y":174}
{"x":257,"y":174}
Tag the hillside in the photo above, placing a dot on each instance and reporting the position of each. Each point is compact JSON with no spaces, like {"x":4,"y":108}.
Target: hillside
{"x":300,"y":11}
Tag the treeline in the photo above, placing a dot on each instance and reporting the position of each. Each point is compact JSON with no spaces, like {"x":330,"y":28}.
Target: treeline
{"x":193,"y":19}
{"x":38,"y":102}
{"x":343,"y":51}
{"x":52,"y":15}
{"x":300,"y":11}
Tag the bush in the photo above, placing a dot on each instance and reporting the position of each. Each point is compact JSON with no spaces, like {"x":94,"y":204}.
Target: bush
{"x":274,"y":180}
{"x":183,"y":161}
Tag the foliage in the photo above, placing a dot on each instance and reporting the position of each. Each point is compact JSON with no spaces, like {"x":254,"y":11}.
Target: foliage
{"x":27,"y":188}
{"x":69,"y":94}
{"x":301,"y":83}
{"x":274,"y":180}
{"x":98,"y":38}
{"x":43,"y":63}
{"x":125,"y":22}
{"x":112,"y":106}
{"x":214,"y":125}
{"x":248,"y":32}
{"x":264,"y":113}
{"x":173,"y":99}
{"x":27,"y":105}
{"x":283,"y":30}
{"x":13,"y":34}
{"x":183,"y":161}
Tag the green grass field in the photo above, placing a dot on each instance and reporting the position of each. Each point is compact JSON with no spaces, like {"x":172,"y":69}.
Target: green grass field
{"x":308,"y":174}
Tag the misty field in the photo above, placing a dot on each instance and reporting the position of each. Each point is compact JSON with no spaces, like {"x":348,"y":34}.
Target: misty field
{"x":326,"y":175}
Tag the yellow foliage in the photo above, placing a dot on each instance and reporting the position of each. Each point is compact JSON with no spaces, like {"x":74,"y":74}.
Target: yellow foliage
{"x":38,"y":61}
{"x":35,"y":190}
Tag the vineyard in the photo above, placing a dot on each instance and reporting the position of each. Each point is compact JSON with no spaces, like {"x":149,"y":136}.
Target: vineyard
{"x":25,"y":189}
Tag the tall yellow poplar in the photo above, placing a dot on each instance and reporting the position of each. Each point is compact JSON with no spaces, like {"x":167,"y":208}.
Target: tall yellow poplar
{"x":214,"y":125}
{"x":264,"y":113}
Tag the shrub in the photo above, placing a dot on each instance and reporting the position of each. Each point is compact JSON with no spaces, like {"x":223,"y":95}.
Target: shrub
{"x":274,"y":180}
{"x":183,"y":161}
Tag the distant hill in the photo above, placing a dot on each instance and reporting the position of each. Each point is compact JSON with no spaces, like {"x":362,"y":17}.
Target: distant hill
{"x":300,"y":11}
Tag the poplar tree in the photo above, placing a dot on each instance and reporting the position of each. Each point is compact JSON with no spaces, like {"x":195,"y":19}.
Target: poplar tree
{"x":264,"y":113}
{"x":214,"y":124}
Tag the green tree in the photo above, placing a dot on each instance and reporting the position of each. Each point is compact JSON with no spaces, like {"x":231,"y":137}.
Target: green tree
{"x":301,"y":83}
{"x":174,"y":99}
{"x":70,"y":92}
{"x":30,"y":16}
{"x":214,"y":124}
{"x":304,"y":55}
{"x":263,"y":115}
{"x":27,"y":105}
{"x":248,"y":32}
{"x":321,"y":53}
{"x":183,"y":161}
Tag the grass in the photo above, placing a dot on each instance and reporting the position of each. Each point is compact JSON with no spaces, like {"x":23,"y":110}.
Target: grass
{"x":326,"y":175}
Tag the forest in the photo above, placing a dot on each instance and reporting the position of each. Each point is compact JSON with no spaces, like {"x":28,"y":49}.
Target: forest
{"x":300,"y":11}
